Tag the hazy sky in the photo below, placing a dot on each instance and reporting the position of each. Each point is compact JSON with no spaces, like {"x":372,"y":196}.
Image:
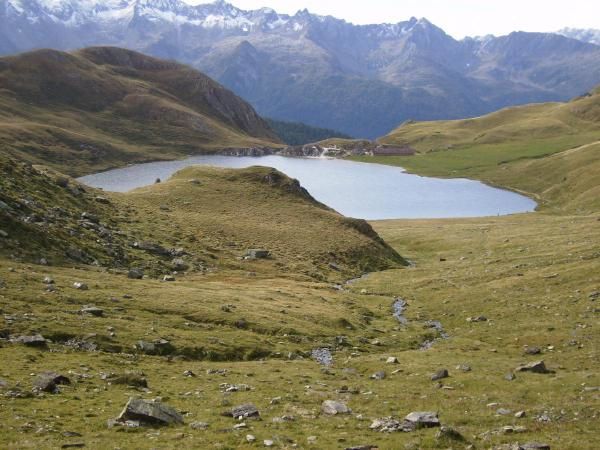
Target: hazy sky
{"x":458,"y":18}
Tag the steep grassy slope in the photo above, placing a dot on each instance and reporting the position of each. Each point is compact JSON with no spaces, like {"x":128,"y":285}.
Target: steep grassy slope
{"x":546,"y":150}
{"x":535,"y":289}
{"x":213,"y":216}
{"x":296,"y":133}
{"x":105,"y":106}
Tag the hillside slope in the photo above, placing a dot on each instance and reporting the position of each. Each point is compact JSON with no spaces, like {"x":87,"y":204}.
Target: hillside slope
{"x":101,"y":107}
{"x":549,"y":151}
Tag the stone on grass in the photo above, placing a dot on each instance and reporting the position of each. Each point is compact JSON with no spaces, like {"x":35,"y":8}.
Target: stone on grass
{"x":3,"y":234}
{"x":440,"y":374}
{"x":48,"y":280}
{"x":80,"y":286}
{"x":199,"y":425}
{"x":423,"y":419}
{"x":149,"y":413}
{"x":392,"y":425}
{"x":168,"y":278}
{"x":332,"y":408}
{"x":242,"y":411}
{"x":49,"y":382}
{"x":256,"y":253}
{"x":92,"y":310}
{"x":36,"y":340}
{"x":450,"y":434}
{"x":378,"y":375}
{"x":135,"y":274}
{"x":535,"y":367}
{"x":392,"y":360}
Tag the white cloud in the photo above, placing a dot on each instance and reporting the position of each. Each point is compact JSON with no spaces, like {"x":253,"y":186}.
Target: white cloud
{"x":456,"y":17}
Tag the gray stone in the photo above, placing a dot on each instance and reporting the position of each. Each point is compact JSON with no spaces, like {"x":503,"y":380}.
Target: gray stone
{"x":135,"y":274}
{"x":48,"y":280}
{"x":179,"y":265}
{"x":256,"y":253}
{"x":392,"y":360}
{"x":49,"y":381}
{"x":3,"y":234}
{"x":463,"y":367}
{"x":168,"y":278}
{"x":392,"y":425}
{"x":448,"y":433}
{"x":533,"y":351}
{"x":243,"y":411}
{"x":80,"y":286}
{"x":199,"y":425}
{"x":156,"y":347}
{"x":510,"y":376}
{"x":380,"y":375}
{"x":535,"y":367}
{"x":503,"y":411}
{"x":268,"y":443}
{"x":423,"y":419}
{"x":102,"y":200}
{"x":440,"y":374}
{"x":37,"y":340}
{"x":332,"y":408}
{"x":149,"y":413}
{"x":92,"y":310}
{"x":520,"y":414}
{"x":534,"y":446}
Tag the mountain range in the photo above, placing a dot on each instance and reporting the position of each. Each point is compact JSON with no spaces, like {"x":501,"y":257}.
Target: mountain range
{"x":360,"y":79}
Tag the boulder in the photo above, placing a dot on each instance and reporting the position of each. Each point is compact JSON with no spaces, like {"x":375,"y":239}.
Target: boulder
{"x":149,"y":413}
{"x":380,"y":375}
{"x":392,"y":425}
{"x":36,"y":340}
{"x":392,"y":360}
{"x":243,"y":411}
{"x":179,"y":265}
{"x":256,"y":253}
{"x":168,"y":278}
{"x":156,"y":347}
{"x":440,"y":374}
{"x":423,"y":419}
{"x":92,"y":310}
{"x":49,"y":381}
{"x":535,"y":367}
{"x":135,"y":274}
{"x":80,"y":286}
{"x":332,"y":408}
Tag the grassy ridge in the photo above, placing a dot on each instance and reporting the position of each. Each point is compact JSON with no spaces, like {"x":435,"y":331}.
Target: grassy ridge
{"x":102,"y":107}
{"x":513,"y":148}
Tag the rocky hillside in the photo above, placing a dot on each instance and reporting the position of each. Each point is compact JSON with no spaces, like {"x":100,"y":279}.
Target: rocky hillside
{"x":322,"y":71}
{"x":202,"y":220}
{"x":105,"y":106}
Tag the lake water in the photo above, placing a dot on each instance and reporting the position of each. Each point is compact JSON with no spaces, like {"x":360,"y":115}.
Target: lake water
{"x":361,"y":190}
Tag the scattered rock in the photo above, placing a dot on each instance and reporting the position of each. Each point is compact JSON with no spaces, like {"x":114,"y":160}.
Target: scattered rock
{"x":189,"y":374}
{"x":102,"y":200}
{"x":37,"y":340}
{"x":149,"y":413}
{"x":49,"y":381}
{"x":268,"y":443}
{"x":3,"y":234}
{"x":93,"y":311}
{"x":80,"y":286}
{"x":533,"y":350}
{"x":503,"y":411}
{"x":440,"y":374}
{"x":48,"y":280}
{"x":332,"y":408}
{"x":73,"y":445}
{"x":520,"y":414}
{"x":423,"y":419}
{"x":534,"y":446}
{"x":242,"y":411}
{"x":535,"y":367}
{"x":378,"y":375}
{"x":156,"y":347}
{"x":463,"y":367}
{"x":257,"y":254}
{"x":392,"y":360}
{"x":594,"y":295}
{"x":322,"y":356}
{"x":168,"y":278}
{"x":135,"y":274}
{"x":363,"y":447}
{"x":448,"y":433}
{"x":392,"y":425}
{"x":199,"y":425}
{"x":179,"y":265}
{"x":510,"y":376}
{"x":477,"y":319}
{"x":250,"y":438}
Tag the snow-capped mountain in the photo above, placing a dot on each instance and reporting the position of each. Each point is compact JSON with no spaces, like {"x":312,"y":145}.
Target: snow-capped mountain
{"x":589,"y":35}
{"x":360,"y":79}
